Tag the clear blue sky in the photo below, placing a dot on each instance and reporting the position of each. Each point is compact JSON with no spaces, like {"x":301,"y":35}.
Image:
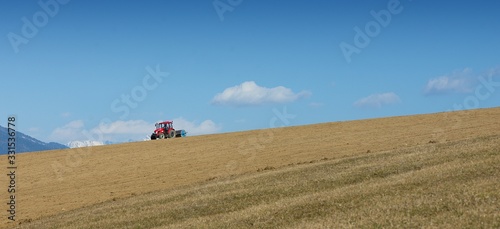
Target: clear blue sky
{"x":231,"y":67}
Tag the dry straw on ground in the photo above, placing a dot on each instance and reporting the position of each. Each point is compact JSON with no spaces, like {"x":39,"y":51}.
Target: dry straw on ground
{"x":439,"y":170}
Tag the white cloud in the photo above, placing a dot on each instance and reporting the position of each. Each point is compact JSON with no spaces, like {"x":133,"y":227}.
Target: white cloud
{"x":33,"y":130}
{"x":456,"y":82}
{"x":125,"y":127}
{"x":137,"y":129}
{"x":378,"y":100}
{"x":316,"y":104}
{"x":193,"y":128}
{"x":66,"y":114}
{"x":72,"y":130}
{"x":249,"y":93}
{"x":122,"y":131}
{"x":493,"y":73}
{"x":241,"y":120}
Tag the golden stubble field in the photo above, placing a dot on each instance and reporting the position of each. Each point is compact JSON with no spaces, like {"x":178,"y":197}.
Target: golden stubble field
{"x":52,"y":182}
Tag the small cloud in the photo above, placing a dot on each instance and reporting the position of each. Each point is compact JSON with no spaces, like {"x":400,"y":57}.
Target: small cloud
{"x":66,"y":115}
{"x":125,"y":127}
{"x":242,"y":120}
{"x":315,"y":104}
{"x":70,"y":131}
{"x":493,"y":77}
{"x":493,"y":73}
{"x":250,"y":94}
{"x":193,"y":128}
{"x":456,"y":82}
{"x":378,"y":100}
{"x":34,"y":130}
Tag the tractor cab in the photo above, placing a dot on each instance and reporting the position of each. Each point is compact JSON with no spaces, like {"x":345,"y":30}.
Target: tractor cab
{"x":163,"y":130}
{"x":164,"y":126}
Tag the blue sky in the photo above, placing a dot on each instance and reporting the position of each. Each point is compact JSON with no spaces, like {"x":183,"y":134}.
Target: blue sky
{"x":92,"y":70}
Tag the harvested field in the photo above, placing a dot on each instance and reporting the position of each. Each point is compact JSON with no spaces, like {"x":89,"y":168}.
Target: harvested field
{"x":398,"y":171}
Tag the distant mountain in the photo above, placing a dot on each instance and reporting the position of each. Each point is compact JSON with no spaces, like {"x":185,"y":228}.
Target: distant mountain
{"x":78,"y":144}
{"x":25,"y":143}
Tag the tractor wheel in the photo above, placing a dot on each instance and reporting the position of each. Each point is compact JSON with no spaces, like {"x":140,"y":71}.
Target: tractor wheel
{"x":161,"y":136}
{"x":171,"y":134}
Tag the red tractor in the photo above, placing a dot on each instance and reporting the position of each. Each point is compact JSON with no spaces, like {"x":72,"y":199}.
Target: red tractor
{"x":166,"y":130}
